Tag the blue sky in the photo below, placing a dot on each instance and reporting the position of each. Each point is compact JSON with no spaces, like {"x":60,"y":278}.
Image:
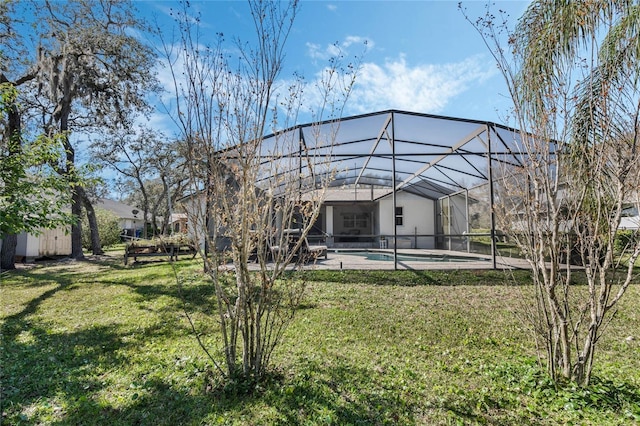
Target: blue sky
{"x":421,"y":56}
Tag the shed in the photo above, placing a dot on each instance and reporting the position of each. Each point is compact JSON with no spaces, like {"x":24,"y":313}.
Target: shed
{"x":50,"y":243}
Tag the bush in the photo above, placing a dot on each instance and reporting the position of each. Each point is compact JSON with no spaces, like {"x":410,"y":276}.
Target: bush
{"x":625,"y":239}
{"x":108,"y":228}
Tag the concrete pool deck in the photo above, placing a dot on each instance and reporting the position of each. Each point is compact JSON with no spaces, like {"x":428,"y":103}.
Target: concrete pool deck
{"x":349,"y":259}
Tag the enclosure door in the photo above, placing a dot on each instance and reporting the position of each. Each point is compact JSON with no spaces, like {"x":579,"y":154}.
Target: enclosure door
{"x":444,"y":223}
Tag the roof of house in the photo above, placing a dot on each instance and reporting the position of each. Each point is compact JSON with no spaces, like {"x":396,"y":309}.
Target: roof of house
{"x":427,"y":189}
{"x":364,"y":193}
{"x":123,"y":211}
{"x":353,"y":194}
{"x":178,"y":217}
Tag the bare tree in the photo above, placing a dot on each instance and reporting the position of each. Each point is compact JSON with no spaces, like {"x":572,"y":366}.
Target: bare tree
{"x":248,"y":190}
{"x":577,"y":103}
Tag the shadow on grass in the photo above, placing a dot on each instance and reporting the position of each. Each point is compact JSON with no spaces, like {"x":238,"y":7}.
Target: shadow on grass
{"x":78,"y":370}
{"x":343,"y":394}
{"x":54,"y":376}
{"x":40,"y":364}
{"x":154,"y":402}
{"x":57,"y":378}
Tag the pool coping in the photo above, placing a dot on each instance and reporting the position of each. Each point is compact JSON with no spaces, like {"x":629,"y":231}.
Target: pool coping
{"x":340,"y":259}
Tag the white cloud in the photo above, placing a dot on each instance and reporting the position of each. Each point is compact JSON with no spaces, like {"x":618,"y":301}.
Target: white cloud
{"x":422,"y":88}
{"x":332,"y":7}
{"x":357,"y":40}
{"x":316,"y":51}
{"x":393,"y":84}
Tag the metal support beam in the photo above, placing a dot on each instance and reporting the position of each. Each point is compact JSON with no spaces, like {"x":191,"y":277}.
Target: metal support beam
{"x":383,"y":131}
{"x":491,"y":199}
{"x":450,"y":151}
{"x":395,"y":189}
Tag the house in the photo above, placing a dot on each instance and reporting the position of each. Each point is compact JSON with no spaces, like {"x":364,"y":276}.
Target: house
{"x":630,"y":219}
{"x":130,"y":219}
{"x":365,"y":217}
{"x":178,"y":223}
{"x":397,"y":179}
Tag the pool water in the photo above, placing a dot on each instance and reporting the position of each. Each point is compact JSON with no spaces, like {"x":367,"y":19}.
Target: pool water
{"x":372,"y":255}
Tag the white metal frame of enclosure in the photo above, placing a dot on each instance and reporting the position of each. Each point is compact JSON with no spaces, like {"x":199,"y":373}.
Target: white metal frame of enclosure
{"x":420,"y":148}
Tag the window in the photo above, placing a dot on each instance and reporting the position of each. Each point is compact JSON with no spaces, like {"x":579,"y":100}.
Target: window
{"x":399,"y":216}
{"x":355,"y":220}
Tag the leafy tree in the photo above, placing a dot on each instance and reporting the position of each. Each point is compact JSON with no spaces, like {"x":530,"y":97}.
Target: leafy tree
{"x":108,"y":226}
{"x":224,"y":106}
{"x":150,"y":166}
{"x":89,"y":71}
{"x":32,"y":196}
{"x":572,"y":71}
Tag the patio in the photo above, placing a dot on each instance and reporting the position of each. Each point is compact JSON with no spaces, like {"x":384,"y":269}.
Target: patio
{"x":411,"y":259}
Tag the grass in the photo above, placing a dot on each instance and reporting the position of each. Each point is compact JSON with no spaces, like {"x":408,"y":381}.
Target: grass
{"x":100,"y":343}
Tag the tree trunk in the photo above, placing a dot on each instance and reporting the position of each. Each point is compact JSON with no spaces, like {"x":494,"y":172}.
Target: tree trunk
{"x":14,"y":136}
{"x":76,"y":228}
{"x":8,"y":252}
{"x":145,"y":215}
{"x":96,"y":245}
{"x":61,"y":116}
{"x":154,"y":213}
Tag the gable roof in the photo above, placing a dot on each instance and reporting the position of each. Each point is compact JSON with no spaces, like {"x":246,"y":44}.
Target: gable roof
{"x":427,"y":189}
{"x":364,"y":193}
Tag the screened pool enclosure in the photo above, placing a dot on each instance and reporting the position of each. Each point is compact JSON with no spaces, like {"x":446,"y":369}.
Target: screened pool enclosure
{"x":399,"y":180}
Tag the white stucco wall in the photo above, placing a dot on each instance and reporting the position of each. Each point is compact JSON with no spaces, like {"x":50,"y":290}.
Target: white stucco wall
{"x":130,"y":223}
{"x":419,"y":218}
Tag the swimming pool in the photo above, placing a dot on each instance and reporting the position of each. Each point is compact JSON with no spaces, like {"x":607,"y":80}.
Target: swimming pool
{"x":430,"y":257}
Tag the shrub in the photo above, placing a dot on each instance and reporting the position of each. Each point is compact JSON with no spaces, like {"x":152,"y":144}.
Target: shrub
{"x":624,"y":240}
{"x":108,"y":228}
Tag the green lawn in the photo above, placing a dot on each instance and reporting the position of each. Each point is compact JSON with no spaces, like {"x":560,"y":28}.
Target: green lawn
{"x":101,"y":343}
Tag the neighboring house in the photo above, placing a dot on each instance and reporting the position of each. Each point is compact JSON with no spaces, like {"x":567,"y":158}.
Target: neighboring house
{"x":130,"y":219}
{"x":195,"y":221}
{"x":630,"y":219}
{"x":178,"y":223}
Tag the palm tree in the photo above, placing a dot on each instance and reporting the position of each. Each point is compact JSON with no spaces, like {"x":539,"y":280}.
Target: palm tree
{"x":572,"y":71}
